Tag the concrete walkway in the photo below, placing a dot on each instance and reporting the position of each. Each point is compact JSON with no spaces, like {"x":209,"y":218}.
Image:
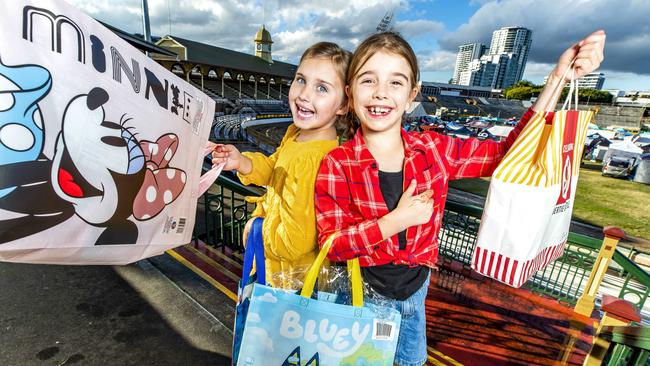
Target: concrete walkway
{"x":154,"y":312}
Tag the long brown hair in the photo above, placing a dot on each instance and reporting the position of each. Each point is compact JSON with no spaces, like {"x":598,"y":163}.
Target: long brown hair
{"x":341,"y":59}
{"x":390,"y":42}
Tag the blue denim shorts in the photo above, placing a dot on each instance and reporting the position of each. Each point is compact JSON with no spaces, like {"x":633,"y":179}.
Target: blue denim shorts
{"x":412,"y":339}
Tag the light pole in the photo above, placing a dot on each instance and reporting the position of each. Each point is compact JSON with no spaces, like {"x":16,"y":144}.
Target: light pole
{"x":146,"y":28}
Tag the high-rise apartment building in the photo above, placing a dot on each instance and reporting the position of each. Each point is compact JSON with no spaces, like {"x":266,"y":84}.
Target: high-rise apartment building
{"x":502,"y":66}
{"x":466,"y":53}
{"x":516,"y":41}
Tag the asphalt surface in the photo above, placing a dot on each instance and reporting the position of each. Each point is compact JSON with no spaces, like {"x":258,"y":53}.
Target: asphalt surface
{"x":154,"y":312}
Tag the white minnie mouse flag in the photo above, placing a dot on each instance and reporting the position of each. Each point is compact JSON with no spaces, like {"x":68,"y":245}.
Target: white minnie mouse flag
{"x":100,"y":147}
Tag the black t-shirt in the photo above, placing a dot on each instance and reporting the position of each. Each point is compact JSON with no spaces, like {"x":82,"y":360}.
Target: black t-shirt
{"x":390,"y":280}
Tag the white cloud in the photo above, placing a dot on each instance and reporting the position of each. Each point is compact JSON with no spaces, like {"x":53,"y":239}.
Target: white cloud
{"x":294,"y":25}
{"x":262,"y":337}
{"x":536,"y":71}
{"x":419,"y":28}
{"x":268,"y":297}
{"x":253,"y":317}
{"x":437,"y":61}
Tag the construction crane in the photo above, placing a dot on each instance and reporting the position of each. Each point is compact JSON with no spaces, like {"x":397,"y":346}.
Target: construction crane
{"x":386,"y":23}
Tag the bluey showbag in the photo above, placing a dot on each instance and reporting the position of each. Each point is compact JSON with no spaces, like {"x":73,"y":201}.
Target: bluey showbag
{"x":525,"y":223}
{"x":286,"y":328}
{"x":101,"y":148}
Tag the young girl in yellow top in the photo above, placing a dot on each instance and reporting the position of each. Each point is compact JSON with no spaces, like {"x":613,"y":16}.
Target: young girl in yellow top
{"x":317,"y":100}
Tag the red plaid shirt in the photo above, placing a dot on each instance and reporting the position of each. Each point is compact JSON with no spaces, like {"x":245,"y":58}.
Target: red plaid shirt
{"x":349,"y":200}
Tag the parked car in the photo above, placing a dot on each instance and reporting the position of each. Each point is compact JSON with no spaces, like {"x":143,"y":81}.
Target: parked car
{"x":619,"y":167}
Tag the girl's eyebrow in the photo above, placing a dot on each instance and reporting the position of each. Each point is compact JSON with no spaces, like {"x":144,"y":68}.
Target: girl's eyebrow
{"x":318,"y":80}
{"x":324,"y":82}
{"x":400,"y":75}
{"x":365,"y":73}
{"x":370,"y":72}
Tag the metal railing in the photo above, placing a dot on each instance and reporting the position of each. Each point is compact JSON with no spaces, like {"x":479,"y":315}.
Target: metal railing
{"x":563,"y":279}
{"x":226,"y":213}
{"x":628,"y":345}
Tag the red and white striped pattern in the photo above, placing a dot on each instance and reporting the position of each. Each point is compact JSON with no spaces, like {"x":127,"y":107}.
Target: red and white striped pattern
{"x":511,"y":271}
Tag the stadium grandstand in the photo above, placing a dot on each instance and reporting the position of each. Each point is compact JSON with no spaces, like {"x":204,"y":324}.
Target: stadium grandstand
{"x":459,"y":100}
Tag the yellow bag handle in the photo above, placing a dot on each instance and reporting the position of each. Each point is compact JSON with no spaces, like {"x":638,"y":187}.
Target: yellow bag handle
{"x":353,"y":268}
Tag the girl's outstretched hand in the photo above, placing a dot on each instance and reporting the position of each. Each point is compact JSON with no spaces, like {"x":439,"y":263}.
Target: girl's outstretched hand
{"x":588,"y":55}
{"x":232,"y":157}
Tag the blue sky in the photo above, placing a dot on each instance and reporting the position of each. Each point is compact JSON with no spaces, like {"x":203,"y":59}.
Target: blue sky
{"x":435,"y":28}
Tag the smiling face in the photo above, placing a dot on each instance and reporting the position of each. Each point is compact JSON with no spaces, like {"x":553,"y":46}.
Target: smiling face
{"x":316,"y":95}
{"x":381,"y":92}
{"x":93,"y":170}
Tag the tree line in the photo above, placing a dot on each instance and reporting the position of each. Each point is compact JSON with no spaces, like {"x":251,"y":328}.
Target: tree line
{"x":524,"y":90}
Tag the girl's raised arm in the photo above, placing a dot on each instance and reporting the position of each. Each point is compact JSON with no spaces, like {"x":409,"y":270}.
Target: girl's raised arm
{"x":588,"y":54}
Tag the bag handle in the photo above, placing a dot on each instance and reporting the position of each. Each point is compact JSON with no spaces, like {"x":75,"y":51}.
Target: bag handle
{"x":558,"y":89}
{"x":573,"y":91}
{"x":254,"y":252}
{"x":353,"y":268}
{"x":211,"y":175}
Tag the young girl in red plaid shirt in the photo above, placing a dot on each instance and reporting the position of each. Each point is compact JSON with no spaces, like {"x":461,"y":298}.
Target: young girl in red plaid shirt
{"x":383,"y":192}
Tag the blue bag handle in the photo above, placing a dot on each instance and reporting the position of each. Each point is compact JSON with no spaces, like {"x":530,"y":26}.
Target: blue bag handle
{"x":254,"y":252}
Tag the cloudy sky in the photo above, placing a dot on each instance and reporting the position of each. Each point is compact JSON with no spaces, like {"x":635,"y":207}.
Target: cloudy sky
{"x":435,"y":28}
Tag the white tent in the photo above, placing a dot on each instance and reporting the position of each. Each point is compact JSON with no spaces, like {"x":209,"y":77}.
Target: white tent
{"x":625,"y":148}
{"x":643,"y":170}
{"x":416,"y":110}
{"x":501,"y":131}
{"x":604,"y":133}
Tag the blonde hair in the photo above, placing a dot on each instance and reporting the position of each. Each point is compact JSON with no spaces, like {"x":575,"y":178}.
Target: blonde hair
{"x":341,"y":59}
{"x":390,"y":42}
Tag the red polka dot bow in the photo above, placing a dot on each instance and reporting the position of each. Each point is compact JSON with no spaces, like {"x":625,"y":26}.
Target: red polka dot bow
{"x":162,"y":184}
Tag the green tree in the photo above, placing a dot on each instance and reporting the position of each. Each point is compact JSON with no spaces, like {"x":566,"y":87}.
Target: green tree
{"x":522,"y":90}
{"x":524,"y":83}
{"x":519,"y":92}
{"x":589,"y":95}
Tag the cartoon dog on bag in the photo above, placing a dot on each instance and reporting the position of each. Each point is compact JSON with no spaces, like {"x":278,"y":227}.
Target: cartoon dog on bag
{"x":99,"y":170}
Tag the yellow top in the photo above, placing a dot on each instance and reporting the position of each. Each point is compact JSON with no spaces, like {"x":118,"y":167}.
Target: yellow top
{"x":289,"y":174}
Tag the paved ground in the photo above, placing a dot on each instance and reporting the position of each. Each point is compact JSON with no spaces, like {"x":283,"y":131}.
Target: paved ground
{"x":127,"y":315}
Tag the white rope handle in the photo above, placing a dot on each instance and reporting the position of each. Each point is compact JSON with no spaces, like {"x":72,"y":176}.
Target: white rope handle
{"x":558,"y":89}
{"x":573,"y":90}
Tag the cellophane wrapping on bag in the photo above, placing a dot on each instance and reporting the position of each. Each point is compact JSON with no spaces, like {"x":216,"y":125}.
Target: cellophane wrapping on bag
{"x":333,"y":286}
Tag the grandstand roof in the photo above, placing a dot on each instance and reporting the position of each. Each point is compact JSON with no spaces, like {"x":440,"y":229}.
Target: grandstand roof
{"x":137,"y":41}
{"x":202,"y":53}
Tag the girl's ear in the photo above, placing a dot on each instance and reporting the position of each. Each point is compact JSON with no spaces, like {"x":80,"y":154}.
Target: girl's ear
{"x":345,"y":107}
{"x":414,"y":93}
{"x":348,"y":92}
